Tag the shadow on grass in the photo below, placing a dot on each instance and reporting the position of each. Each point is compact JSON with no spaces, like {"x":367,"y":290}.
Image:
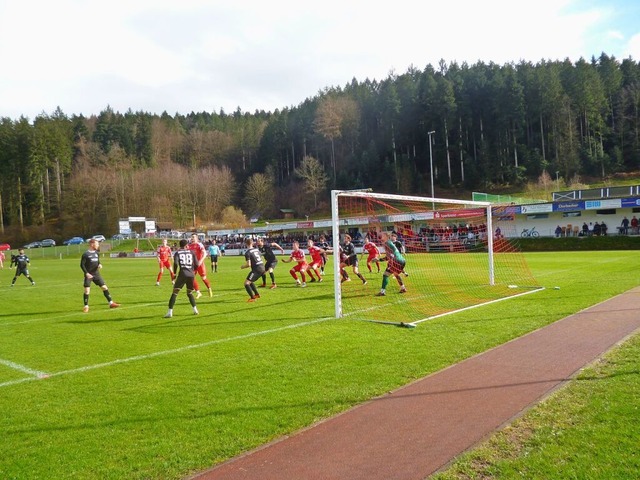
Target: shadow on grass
{"x":283,"y":406}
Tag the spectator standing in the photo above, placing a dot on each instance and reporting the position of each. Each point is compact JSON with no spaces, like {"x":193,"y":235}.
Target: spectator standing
{"x":624,"y":226}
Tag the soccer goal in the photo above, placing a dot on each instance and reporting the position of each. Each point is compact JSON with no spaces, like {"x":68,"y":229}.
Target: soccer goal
{"x":457,"y":256}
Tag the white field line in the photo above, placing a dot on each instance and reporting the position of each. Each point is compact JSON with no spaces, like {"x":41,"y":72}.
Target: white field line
{"x":479,"y":305}
{"x":23,"y":369}
{"x":408,"y":299}
{"x":404,"y":299}
{"x":158,"y":354}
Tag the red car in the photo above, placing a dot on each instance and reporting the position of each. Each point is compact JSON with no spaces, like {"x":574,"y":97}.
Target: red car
{"x":5,"y":246}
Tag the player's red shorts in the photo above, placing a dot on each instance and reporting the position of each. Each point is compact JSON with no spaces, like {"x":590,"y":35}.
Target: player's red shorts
{"x":394,"y":267}
{"x":301,"y":267}
{"x":165,"y":263}
{"x":373,"y":257}
{"x":202,"y":270}
{"x":316,"y":264}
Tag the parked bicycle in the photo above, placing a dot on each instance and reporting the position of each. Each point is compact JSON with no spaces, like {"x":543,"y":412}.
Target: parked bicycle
{"x":530,"y":232}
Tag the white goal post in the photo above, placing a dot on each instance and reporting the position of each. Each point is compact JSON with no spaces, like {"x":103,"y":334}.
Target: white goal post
{"x":429,"y":212}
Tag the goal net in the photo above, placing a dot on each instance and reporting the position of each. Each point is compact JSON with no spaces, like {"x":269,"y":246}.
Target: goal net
{"x":458,"y":256}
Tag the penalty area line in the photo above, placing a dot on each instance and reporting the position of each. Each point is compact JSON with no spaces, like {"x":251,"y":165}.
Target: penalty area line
{"x":157,"y":354}
{"x":23,"y":369}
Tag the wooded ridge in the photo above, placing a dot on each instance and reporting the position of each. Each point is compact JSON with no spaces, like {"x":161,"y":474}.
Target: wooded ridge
{"x":490,"y":125}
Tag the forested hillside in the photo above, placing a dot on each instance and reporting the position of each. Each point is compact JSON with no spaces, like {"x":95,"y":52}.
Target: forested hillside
{"x":490,"y":125}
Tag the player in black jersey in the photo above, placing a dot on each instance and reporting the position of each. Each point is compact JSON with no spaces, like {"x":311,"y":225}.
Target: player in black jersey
{"x":90,"y":265}
{"x":185,"y":264}
{"x":350,"y":258}
{"x":22,"y":263}
{"x":270,"y":260}
{"x":255,"y":263}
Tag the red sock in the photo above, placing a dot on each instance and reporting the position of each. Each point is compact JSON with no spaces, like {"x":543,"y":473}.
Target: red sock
{"x":207,"y":282}
{"x":159,"y":277}
{"x":293,"y":274}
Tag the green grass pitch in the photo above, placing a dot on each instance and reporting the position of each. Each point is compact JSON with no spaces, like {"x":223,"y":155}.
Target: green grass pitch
{"x":126,"y":393}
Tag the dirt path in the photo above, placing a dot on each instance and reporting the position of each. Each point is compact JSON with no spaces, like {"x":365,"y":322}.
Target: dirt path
{"x":418,"y":429}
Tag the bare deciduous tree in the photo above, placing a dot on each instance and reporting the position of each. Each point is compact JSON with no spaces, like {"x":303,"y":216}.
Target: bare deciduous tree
{"x":259,"y":195}
{"x":314,"y":177}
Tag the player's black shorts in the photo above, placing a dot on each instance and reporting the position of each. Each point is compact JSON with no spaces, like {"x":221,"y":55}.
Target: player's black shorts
{"x":214,"y":258}
{"x":22,"y":271}
{"x":183,"y":280}
{"x":97,"y":279}
{"x":255,"y":274}
{"x":352,"y":261}
{"x":271,"y":264}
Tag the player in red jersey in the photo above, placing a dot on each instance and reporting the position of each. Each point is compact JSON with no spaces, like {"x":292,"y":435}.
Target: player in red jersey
{"x":201,"y":254}
{"x":301,"y":266}
{"x":316,"y":260}
{"x":164,"y":261}
{"x":373,"y":254}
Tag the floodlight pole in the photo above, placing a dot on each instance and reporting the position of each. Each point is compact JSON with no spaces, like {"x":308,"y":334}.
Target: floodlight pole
{"x":431,"y":162}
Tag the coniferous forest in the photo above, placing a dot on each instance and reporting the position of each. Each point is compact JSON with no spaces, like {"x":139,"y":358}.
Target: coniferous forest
{"x":490,"y":126}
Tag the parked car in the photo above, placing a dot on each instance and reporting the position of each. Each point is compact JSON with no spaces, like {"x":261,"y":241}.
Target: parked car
{"x":74,"y":241}
{"x":33,"y":245}
{"x":48,"y":242}
{"x":100,"y":238}
{"x":5,"y":246}
{"x":119,"y":236}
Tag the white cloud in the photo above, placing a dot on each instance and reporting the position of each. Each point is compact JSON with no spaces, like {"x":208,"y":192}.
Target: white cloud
{"x":632,"y":49}
{"x":196,"y":55}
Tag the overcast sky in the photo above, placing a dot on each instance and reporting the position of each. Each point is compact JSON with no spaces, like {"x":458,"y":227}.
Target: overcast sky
{"x":181,"y":56}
